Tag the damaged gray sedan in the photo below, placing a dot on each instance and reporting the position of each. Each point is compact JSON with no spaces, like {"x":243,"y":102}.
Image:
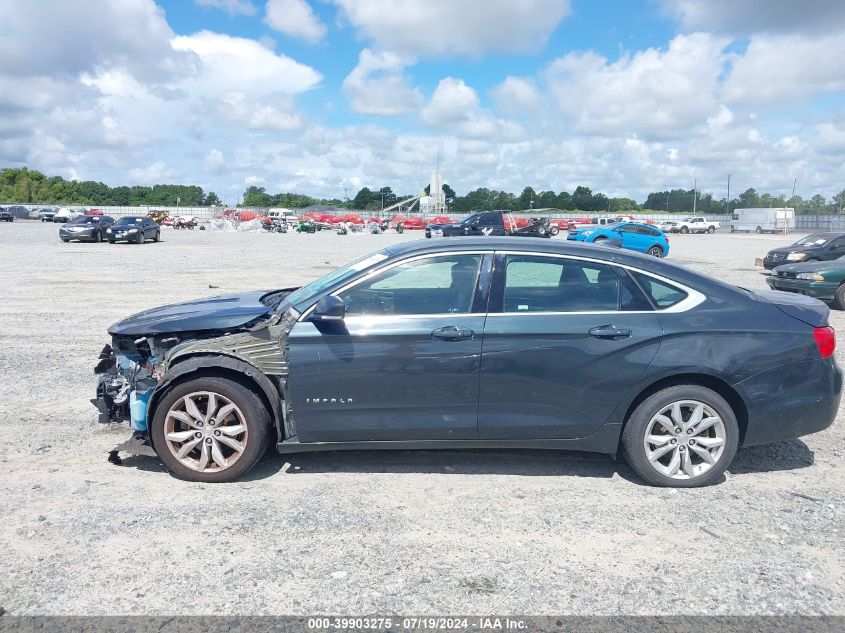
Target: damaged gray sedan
{"x":477,"y":343}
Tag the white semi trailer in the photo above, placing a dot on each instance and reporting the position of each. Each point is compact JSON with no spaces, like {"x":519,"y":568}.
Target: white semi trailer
{"x":763,"y":220}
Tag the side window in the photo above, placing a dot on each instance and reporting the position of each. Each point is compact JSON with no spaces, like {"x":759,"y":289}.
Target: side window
{"x":662,"y":294}
{"x":647,"y":230}
{"x":551,"y":284}
{"x":434,"y":285}
{"x":489,"y":219}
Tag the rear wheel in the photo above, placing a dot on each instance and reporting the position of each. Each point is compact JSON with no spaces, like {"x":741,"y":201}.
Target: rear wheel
{"x":655,"y":251}
{"x":400,"y":228}
{"x":681,"y":437}
{"x":733,"y":229}
{"x":98,"y":237}
{"x":210,"y":429}
{"x":684,"y":229}
{"x":111,"y":241}
{"x":758,"y":230}
{"x":554,"y":229}
{"x":711,"y":229}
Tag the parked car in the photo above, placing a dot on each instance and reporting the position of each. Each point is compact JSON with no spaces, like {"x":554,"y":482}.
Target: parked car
{"x":134,"y":228}
{"x":86,"y":228}
{"x":526,"y":344}
{"x":636,"y":236}
{"x":822,"y":280}
{"x":46,"y":214}
{"x":813,"y":248}
{"x":697,"y":224}
{"x":6,"y":215}
{"x":65,"y":214}
{"x":493,"y":223}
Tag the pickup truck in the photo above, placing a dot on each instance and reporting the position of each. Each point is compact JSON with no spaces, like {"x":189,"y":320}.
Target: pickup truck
{"x":690,"y":225}
{"x":493,"y":223}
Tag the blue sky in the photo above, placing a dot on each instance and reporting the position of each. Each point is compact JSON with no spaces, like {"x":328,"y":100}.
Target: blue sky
{"x":325,"y":96}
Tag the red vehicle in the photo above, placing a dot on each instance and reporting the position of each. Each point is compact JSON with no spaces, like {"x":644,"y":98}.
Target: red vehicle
{"x":93,"y":212}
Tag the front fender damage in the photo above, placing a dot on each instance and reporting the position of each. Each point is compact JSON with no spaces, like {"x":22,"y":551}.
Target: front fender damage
{"x":133,"y":373}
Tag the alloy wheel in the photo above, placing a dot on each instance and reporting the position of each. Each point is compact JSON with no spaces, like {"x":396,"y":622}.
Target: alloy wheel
{"x":205,"y":431}
{"x":685,"y":439}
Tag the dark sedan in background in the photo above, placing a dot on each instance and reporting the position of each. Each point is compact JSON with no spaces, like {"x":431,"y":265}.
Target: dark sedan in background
{"x":136,"y":228}
{"x":6,"y":215}
{"x":86,"y":228}
{"x":478,"y":343}
{"x":813,"y":248}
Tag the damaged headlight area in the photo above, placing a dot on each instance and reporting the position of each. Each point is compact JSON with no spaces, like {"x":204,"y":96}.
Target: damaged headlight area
{"x":129,"y":370}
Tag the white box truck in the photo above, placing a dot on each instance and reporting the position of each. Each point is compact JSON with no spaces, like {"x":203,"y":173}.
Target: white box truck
{"x":763,"y":220}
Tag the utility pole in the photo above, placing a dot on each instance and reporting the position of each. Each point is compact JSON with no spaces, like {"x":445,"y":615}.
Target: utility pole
{"x":667,"y":202}
{"x":729,"y":194}
{"x":694,"y":195}
{"x":794,"y":182}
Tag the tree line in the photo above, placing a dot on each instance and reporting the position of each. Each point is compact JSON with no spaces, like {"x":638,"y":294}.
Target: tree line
{"x":30,"y":186}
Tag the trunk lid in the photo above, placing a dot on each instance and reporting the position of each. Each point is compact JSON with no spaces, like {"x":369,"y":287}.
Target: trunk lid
{"x":806,"y":309}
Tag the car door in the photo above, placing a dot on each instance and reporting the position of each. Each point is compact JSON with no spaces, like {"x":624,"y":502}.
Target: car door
{"x":835,"y":250}
{"x":404,"y":362}
{"x":566,"y":338}
{"x":631,"y":239}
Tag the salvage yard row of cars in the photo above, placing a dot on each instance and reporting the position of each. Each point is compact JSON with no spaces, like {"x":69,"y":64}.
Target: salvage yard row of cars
{"x":552,"y":344}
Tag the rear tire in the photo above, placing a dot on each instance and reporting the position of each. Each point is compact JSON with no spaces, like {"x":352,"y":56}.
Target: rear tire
{"x":758,"y":230}
{"x":711,"y":229}
{"x":655,"y":251}
{"x":98,"y":237}
{"x":248,"y":411}
{"x":653,"y":458}
{"x":111,"y":241}
{"x":684,"y":230}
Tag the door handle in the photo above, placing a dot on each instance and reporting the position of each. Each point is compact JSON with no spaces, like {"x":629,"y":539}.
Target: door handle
{"x":452,"y":333}
{"x":609,"y":332}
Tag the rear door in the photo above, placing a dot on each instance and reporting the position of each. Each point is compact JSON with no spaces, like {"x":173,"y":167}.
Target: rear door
{"x":404,"y":362}
{"x":565,"y":340}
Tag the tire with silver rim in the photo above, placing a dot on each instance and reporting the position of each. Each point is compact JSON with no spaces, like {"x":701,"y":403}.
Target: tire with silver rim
{"x":683,"y":437}
{"x":655,"y":251}
{"x":210,"y":429}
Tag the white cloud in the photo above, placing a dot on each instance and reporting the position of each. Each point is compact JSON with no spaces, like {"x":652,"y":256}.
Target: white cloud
{"x":653,"y":93}
{"x":242,"y":110}
{"x":295,"y":18}
{"x":793,"y":67}
{"x":240,"y":64}
{"x":422,"y":28}
{"x":516,"y":95}
{"x":157,"y":172}
{"x":215,"y":163}
{"x":232,"y":7}
{"x":752,"y":16}
{"x":378,"y":85}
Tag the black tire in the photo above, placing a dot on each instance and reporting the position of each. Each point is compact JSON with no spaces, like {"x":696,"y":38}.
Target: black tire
{"x":140,"y":238}
{"x":157,"y":237}
{"x":711,"y":229}
{"x":656,"y":251}
{"x":733,"y":229}
{"x":65,"y":240}
{"x":554,"y":229}
{"x":839,"y":297}
{"x":98,"y":237}
{"x":111,"y":241}
{"x":633,"y":436}
{"x":758,"y":230}
{"x":400,"y":228}
{"x":684,"y":229}
{"x":255,"y":414}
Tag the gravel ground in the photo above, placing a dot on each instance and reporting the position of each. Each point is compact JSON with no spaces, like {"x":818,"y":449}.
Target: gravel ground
{"x":527,"y":532}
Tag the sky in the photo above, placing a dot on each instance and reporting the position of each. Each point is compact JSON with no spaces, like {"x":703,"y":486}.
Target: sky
{"x":322,"y":97}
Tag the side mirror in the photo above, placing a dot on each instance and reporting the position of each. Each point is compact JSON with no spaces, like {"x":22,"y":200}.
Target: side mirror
{"x":328,"y":309}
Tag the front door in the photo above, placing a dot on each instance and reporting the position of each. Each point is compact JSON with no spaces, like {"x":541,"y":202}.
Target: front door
{"x":404,"y":362}
{"x":564,"y":342}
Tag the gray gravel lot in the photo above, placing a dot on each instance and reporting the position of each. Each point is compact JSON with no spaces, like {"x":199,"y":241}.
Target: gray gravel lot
{"x":527,"y":532}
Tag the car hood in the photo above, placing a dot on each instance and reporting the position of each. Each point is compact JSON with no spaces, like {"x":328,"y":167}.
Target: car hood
{"x":811,"y":267}
{"x":441,"y":225}
{"x":124,"y":227}
{"x":214,"y":313}
{"x":786,"y":250}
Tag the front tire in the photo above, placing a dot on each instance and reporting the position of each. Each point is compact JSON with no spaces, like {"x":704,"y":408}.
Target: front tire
{"x":758,"y":230}
{"x":684,"y":230}
{"x":681,"y":437}
{"x":554,"y":229}
{"x":839,"y":297}
{"x":210,"y":429}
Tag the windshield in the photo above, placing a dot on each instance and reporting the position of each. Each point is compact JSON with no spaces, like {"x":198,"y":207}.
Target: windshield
{"x":130,"y":220}
{"x":471,"y":218}
{"x":318,"y":285}
{"x":813,"y":240}
{"x":614,"y":225}
{"x":85,"y":219}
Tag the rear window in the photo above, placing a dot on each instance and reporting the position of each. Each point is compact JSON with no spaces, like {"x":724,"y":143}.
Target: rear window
{"x":662,"y":294}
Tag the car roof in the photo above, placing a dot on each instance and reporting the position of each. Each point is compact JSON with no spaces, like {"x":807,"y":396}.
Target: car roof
{"x":829,"y":234}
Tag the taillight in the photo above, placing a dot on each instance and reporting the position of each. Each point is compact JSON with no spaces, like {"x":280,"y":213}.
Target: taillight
{"x":825,"y":338}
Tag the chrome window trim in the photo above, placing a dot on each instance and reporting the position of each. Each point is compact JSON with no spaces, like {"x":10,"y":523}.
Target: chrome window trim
{"x":378,"y":271}
{"x":694,"y":297}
